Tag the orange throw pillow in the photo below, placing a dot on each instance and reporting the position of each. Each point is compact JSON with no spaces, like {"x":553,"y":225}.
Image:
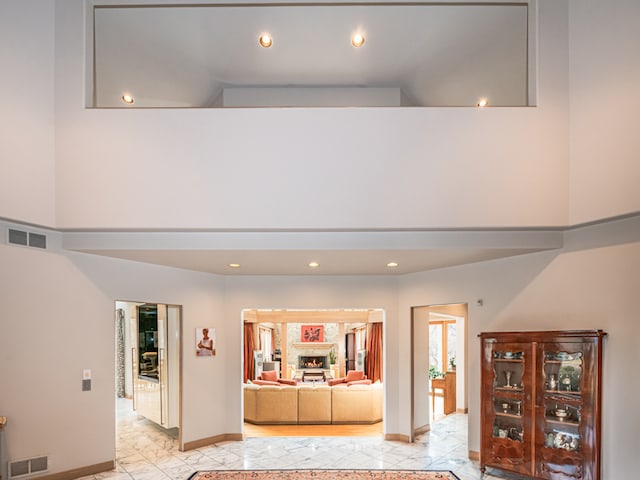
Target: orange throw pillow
{"x":271,"y":376}
{"x":354,"y":375}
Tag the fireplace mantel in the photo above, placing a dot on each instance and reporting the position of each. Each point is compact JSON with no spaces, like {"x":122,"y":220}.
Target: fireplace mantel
{"x":314,"y":345}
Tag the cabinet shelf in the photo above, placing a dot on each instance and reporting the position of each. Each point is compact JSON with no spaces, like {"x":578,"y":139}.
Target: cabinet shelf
{"x":557,"y":434}
{"x":508,"y":415}
{"x":509,"y":389}
{"x":572,"y":423}
{"x":563,"y":392}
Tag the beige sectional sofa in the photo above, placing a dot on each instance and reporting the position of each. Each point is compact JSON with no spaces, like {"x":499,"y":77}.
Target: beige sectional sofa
{"x":313,"y":404}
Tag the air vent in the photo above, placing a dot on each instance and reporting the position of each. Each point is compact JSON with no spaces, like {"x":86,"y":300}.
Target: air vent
{"x":27,"y":239}
{"x":22,"y":468}
{"x":17,"y":237}
{"x":37,"y":240}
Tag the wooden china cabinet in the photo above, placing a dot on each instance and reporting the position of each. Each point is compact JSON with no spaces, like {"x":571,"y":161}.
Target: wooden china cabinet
{"x":541,"y":396}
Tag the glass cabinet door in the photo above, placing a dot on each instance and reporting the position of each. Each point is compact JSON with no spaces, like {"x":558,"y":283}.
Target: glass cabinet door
{"x":510,"y":384}
{"x":561,"y":408}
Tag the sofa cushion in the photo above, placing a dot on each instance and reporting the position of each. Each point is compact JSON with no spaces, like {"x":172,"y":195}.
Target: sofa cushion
{"x":266,"y":382}
{"x":354,"y":375}
{"x":356,"y":404}
{"x":277,"y":405}
{"x":359,"y":382}
{"x":286,"y":381}
{"x":314,"y":404}
{"x":270,"y":375}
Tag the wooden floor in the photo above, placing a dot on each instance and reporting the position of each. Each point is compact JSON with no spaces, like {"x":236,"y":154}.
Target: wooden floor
{"x":251,"y":430}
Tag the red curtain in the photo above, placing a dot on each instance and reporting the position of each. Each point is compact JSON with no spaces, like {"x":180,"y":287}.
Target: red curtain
{"x":249,"y":347}
{"x":374,"y":351}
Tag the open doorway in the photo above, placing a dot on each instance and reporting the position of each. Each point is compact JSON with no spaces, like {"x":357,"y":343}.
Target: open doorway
{"x":148,"y":374}
{"x":298,"y":365}
{"x":439,"y":367}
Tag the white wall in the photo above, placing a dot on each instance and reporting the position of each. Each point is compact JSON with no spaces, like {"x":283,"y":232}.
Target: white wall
{"x":58,"y":318}
{"x":236,"y":168}
{"x":422,"y":411}
{"x":605,"y":74}
{"x":589,"y":289}
{"x":479,"y":157}
{"x":55,"y":323}
{"x":594,"y":287}
{"x":26,"y":111}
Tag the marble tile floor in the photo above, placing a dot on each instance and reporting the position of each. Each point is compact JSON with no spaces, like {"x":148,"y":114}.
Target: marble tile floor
{"x":144,"y":451}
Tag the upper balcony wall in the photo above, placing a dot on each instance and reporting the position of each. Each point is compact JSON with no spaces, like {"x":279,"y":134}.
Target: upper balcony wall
{"x":311,"y":167}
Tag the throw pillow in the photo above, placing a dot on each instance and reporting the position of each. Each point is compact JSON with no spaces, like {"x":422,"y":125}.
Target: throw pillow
{"x":266,"y":382}
{"x":354,"y":375}
{"x":359,"y":382}
{"x":270,"y":375}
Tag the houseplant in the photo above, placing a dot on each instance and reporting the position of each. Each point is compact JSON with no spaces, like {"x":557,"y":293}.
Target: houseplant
{"x":332,"y":357}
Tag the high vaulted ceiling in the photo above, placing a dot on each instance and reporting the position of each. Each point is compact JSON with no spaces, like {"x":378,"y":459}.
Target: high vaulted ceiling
{"x":207,"y":55}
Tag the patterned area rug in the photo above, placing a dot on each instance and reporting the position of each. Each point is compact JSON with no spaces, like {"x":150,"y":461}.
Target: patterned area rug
{"x":323,"y":475}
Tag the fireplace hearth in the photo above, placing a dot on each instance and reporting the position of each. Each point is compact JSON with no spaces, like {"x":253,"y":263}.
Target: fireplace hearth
{"x":313,"y":362}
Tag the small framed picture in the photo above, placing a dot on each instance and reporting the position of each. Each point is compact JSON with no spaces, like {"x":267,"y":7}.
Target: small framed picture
{"x":205,"y":342}
{"x":312,"y":333}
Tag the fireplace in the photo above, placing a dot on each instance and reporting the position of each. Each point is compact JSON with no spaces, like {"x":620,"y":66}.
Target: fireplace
{"x":313,"y":362}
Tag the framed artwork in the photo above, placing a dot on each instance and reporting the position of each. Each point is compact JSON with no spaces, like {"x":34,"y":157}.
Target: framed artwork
{"x":205,"y":342}
{"x":312,"y":333}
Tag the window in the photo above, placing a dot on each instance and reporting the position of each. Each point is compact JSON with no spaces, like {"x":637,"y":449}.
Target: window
{"x":442,"y":343}
{"x":265,"y":342}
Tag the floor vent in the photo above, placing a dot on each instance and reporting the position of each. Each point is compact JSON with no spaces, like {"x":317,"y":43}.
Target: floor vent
{"x":27,"y":239}
{"x":23,"y":468}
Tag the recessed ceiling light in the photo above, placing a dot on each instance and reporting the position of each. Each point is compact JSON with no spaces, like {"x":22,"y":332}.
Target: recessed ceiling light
{"x":314,"y":264}
{"x":234,"y":265}
{"x":357,"y":40}
{"x":392,"y":264}
{"x":265,"y":40}
{"x":126,"y":98}
{"x":483,"y":103}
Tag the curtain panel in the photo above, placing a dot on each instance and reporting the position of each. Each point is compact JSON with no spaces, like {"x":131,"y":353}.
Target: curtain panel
{"x":374,"y":351}
{"x":249,"y":347}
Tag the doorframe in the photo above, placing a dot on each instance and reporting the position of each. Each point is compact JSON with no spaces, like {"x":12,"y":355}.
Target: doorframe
{"x":129,"y":365}
{"x":463,"y":313}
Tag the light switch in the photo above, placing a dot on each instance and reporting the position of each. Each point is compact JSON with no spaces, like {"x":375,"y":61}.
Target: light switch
{"x":86,"y":385}
{"x":86,"y":374}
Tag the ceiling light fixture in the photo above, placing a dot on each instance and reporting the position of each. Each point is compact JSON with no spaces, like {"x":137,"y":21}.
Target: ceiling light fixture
{"x":392,"y":264}
{"x":314,"y":264}
{"x":126,"y":98}
{"x":265,"y":40}
{"x":483,"y":103}
{"x":234,"y":265}
{"x":357,"y":40}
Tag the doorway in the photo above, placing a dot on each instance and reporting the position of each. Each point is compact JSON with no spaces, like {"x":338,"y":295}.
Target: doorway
{"x":439,"y":367}
{"x":148,"y":368}
{"x":311,"y":348}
